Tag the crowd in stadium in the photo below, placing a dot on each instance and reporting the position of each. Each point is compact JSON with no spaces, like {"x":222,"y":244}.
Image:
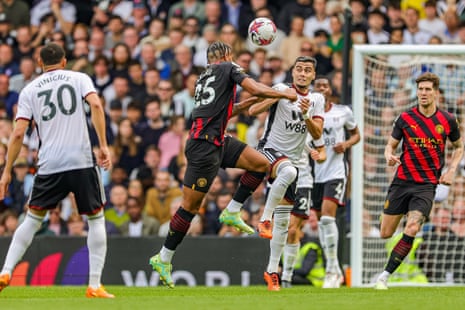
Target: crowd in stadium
{"x":144,"y":58}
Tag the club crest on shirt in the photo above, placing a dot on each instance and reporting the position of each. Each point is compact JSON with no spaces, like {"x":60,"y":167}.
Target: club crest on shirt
{"x":439,"y":129}
{"x":201,"y":182}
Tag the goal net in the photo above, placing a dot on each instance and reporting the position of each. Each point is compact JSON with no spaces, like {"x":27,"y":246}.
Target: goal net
{"x":383,"y":85}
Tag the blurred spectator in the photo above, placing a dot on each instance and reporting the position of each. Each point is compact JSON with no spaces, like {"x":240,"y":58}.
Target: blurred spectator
{"x":213,"y":207}
{"x":158,"y":9}
{"x":258,"y":62}
{"x":230,"y":36}
{"x":432,"y":23}
{"x":97,"y":44}
{"x":394,"y":14}
{"x":131,"y":39}
{"x":213,"y":13}
{"x":275,"y":64}
{"x":156,"y":36}
{"x":290,"y":10}
{"x":118,"y":176}
{"x":26,"y":75}
{"x":134,"y":113}
{"x":44,"y":32}
{"x":191,"y":29}
{"x":23,"y":47}
{"x":128,"y":150}
{"x":10,"y":98}
{"x":160,"y":197}
{"x":458,"y":217}
{"x":151,"y":79}
{"x":136,"y":190}
{"x":76,"y":225}
{"x":232,"y":11}
{"x":209,"y":35}
{"x":20,"y":186}
{"x":318,"y":20}
{"x":170,"y":143}
{"x":118,"y":92}
{"x":101,"y":77}
{"x":359,"y":13}
{"x":452,"y":21}
{"x":288,"y":49}
{"x":176,"y":36}
{"x":8,"y":222}
{"x":336,"y":38}
{"x":244,"y":59}
{"x":153,"y":127}
{"x":117,"y":213}
{"x":6,"y":31}
{"x":139,"y":18}
{"x":7,"y":64}
{"x":80,"y":58}
{"x":54,"y":225}
{"x":17,"y":12}
{"x":183,"y":68}
{"x":64,"y":13}
{"x":165,"y":93}
{"x":121,"y":8}
{"x":184,"y":100}
{"x":119,"y":62}
{"x":176,"y":20}
{"x":136,"y":79}
{"x":149,"y":61}
{"x":114,"y":33}
{"x":412,"y":32}
{"x":187,"y":8}
{"x":147,"y":171}
{"x":376,"y":23}
{"x":139,"y":224}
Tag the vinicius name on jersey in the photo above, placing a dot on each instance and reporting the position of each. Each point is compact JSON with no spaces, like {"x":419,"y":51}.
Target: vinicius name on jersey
{"x":53,"y":78}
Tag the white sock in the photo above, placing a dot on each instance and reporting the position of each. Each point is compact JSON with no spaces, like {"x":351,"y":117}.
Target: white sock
{"x":22,"y":239}
{"x":166,"y":255}
{"x":234,"y":206}
{"x":280,"y":226}
{"x":330,"y":237}
{"x":97,"y":245}
{"x":289,"y":257}
{"x":384,"y":276}
{"x":286,"y":174}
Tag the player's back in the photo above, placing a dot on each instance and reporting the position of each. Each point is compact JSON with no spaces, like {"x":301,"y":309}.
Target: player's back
{"x":214,"y":98}
{"x":55,"y":101}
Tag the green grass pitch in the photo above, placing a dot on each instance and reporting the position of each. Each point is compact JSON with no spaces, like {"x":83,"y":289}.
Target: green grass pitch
{"x":234,"y":297}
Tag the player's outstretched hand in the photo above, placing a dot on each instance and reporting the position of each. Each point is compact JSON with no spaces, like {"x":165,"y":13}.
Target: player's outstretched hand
{"x":304,"y":105}
{"x":104,"y":158}
{"x":4,"y":182}
{"x":447,"y":177}
{"x":291,"y":94}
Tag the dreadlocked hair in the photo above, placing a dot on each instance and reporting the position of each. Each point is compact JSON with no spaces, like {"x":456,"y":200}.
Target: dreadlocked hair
{"x":217,"y":50}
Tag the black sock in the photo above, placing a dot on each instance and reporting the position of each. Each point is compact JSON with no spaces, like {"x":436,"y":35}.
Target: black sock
{"x":399,"y":252}
{"x":249,"y":182}
{"x":179,"y":225}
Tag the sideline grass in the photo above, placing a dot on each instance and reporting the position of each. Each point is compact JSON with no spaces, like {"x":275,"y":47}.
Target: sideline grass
{"x":234,"y":297}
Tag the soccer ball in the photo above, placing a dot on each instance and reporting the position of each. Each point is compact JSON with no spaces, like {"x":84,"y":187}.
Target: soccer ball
{"x":262,"y":31}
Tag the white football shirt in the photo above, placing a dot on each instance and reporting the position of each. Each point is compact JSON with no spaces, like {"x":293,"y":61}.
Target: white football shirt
{"x":55,"y":101}
{"x":285,"y":128}
{"x":337,"y":118}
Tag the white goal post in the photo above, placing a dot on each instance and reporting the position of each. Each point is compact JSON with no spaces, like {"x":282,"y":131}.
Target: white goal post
{"x":397,"y":76}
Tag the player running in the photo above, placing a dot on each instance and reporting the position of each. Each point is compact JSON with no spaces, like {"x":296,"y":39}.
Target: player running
{"x":331,"y":177}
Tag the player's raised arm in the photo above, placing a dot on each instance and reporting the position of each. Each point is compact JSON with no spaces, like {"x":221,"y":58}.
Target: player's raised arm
{"x":261,"y":90}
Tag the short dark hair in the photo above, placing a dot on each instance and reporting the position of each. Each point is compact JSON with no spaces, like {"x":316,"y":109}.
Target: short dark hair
{"x":305,"y":59}
{"x":429,"y":77}
{"x":52,"y":54}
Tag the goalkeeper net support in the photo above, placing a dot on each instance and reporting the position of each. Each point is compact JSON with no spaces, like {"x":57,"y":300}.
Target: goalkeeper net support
{"x":383,"y":86}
